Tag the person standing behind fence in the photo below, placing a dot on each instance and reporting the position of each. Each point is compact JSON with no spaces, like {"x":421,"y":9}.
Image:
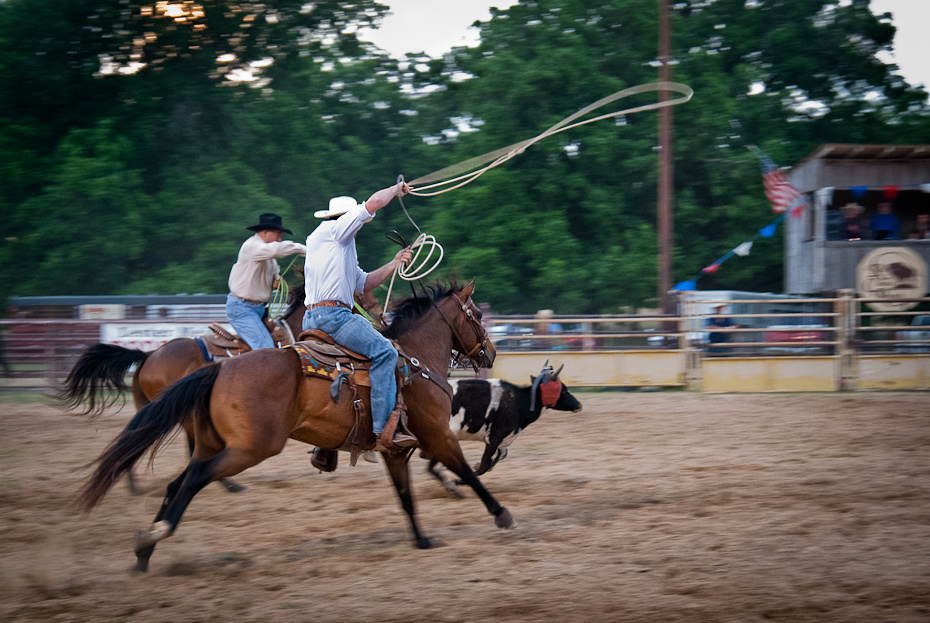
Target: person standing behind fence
{"x":718,"y":337}
{"x":885,"y":225}
{"x":254,"y":275}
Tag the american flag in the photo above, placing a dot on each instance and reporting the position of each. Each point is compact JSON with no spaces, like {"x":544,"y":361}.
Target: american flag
{"x":778,"y":190}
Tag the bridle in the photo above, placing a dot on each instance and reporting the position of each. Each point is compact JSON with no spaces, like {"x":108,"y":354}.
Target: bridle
{"x":477,"y":355}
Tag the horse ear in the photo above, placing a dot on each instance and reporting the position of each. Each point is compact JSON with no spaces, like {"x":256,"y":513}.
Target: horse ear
{"x":469,"y":289}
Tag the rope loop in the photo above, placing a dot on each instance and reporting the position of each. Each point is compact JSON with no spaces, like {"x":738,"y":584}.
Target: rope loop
{"x":456,"y":176}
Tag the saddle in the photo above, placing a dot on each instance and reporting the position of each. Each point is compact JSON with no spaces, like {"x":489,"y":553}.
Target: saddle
{"x":320,"y":357}
{"x":222,"y":343}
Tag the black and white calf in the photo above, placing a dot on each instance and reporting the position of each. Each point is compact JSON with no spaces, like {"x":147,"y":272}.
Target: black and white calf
{"x":496,"y":412}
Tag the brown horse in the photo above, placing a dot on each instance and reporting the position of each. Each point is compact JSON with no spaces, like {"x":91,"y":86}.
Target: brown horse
{"x":244,"y":409}
{"x":98,"y":377}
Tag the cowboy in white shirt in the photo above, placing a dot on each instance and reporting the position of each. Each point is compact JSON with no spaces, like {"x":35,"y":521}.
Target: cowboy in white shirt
{"x":333,"y":276}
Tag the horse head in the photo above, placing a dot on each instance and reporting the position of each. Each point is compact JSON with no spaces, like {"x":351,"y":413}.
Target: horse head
{"x":477,"y":348}
{"x":459,"y":314}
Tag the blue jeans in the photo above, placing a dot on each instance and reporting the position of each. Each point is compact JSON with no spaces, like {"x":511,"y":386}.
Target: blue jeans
{"x":356,"y":333}
{"x":246,"y":319}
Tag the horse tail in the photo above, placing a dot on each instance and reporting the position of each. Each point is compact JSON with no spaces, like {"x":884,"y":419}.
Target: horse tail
{"x":150,"y":428}
{"x":100,"y":370}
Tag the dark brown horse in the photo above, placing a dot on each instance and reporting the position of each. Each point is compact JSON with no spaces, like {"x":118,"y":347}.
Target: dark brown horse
{"x":98,"y":377}
{"x":244,"y":409}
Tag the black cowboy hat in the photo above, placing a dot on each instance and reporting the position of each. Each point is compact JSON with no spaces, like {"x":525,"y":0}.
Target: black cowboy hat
{"x":269,"y":221}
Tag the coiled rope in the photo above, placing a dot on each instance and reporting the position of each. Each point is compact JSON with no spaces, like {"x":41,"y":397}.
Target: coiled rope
{"x":416,"y":268}
{"x":277,"y":304}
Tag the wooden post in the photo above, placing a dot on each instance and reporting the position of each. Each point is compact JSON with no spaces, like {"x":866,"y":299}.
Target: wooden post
{"x":664,"y":207}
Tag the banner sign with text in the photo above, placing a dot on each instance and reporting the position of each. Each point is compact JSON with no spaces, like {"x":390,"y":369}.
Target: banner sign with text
{"x":149,"y":336}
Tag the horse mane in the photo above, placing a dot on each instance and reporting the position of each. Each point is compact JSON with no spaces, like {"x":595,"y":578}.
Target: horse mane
{"x":409,"y":310}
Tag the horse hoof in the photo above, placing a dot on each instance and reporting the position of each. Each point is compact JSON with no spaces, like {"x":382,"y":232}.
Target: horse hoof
{"x":505,"y":520}
{"x":427,"y":543}
{"x":233,"y":487}
{"x":141,"y":568}
{"x":143,"y":540}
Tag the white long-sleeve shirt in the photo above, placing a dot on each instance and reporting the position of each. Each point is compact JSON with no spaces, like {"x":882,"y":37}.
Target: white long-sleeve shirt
{"x":332,"y":272}
{"x":255,"y":269}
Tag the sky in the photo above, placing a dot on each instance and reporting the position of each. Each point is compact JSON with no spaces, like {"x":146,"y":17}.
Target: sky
{"x":435,"y":26}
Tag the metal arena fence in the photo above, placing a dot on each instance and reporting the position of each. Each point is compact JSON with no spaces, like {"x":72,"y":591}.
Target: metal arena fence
{"x":773,"y":343}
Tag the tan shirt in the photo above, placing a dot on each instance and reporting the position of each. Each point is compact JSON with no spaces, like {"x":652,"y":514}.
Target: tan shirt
{"x":255,"y":269}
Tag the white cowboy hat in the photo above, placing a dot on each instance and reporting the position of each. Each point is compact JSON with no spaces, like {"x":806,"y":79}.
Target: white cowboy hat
{"x":853,"y":207}
{"x":337,"y":207}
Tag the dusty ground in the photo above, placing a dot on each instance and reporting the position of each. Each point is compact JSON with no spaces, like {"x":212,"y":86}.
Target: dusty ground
{"x":644,"y":507}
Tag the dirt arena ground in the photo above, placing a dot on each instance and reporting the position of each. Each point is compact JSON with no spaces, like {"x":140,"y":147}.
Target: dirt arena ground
{"x":661,"y":507}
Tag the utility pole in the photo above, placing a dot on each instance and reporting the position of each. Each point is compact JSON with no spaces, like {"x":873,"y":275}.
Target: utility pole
{"x":664,"y":208}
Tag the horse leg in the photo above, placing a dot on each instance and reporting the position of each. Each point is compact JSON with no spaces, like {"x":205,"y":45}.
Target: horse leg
{"x":180,"y":492}
{"x":433,"y":469}
{"x":398,"y":468}
{"x":448,"y":452}
{"x":143,"y":547}
{"x":228,"y":483}
{"x":197,"y":475}
{"x":140,"y":400}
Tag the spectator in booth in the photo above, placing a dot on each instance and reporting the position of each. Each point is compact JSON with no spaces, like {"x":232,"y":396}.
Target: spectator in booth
{"x":921,"y":227}
{"x":714,"y":338}
{"x":853,"y":225}
{"x":885,"y":225}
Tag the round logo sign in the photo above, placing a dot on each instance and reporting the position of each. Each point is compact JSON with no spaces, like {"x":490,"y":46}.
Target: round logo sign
{"x":891,"y":273}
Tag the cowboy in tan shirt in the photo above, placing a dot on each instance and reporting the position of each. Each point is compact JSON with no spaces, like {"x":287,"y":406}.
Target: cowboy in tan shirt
{"x":253,"y":277}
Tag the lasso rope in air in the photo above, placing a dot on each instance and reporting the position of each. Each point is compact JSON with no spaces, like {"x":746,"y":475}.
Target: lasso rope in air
{"x":468,"y":171}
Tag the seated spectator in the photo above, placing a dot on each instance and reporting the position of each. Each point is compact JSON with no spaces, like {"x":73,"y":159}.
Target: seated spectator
{"x":853,"y":227}
{"x":885,"y":225}
{"x":921,"y":227}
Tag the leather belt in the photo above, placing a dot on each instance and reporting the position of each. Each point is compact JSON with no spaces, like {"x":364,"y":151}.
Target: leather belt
{"x":330,"y":304}
{"x":248,"y":300}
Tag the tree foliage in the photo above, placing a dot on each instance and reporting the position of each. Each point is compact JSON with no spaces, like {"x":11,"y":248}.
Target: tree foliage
{"x":138,"y":140}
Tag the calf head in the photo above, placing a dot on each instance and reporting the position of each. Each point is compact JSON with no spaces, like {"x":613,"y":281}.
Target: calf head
{"x":553,"y":392}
